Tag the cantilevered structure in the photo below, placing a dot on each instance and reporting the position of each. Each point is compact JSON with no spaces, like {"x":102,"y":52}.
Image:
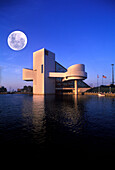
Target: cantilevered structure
{"x":47,"y":73}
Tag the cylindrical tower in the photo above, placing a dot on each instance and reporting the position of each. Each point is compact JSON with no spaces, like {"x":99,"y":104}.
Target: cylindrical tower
{"x":76,"y":72}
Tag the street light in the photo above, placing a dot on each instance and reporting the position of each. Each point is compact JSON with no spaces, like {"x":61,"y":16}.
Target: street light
{"x":112,"y":74}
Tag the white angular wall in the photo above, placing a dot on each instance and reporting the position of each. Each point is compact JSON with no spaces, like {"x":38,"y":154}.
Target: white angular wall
{"x":43,"y":63}
{"x":42,"y":84}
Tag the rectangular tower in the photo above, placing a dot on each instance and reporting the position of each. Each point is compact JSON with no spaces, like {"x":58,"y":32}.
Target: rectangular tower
{"x":43,"y":63}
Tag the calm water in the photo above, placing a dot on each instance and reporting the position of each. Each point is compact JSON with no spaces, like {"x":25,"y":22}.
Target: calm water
{"x":85,"y":124}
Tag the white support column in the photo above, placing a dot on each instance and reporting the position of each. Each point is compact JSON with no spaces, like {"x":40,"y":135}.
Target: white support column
{"x":76,"y":88}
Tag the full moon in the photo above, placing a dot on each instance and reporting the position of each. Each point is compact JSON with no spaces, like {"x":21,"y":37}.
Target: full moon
{"x":17,"y":40}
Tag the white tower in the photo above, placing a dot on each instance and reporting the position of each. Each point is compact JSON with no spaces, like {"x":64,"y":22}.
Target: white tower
{"x":43,"y":63}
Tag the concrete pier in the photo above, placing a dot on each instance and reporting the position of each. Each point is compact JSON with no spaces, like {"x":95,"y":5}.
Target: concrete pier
{"x":76,"y":87}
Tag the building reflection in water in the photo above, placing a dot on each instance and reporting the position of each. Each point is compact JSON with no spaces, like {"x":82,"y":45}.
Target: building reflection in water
{"x":39,"y":120}
{"x":34,"y":118}
{"x":48,"y":117}
{"x":67,"y":111}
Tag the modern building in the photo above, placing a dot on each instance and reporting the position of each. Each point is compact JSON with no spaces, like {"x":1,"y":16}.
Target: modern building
{"x":49,"y":76}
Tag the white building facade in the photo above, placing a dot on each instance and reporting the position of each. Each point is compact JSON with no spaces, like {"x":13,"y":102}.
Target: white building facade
{"x":47,"y":73}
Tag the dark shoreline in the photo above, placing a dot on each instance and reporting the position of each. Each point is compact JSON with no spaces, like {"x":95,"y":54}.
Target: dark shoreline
{"x":85,"y":93}
{"x":16,"y":93}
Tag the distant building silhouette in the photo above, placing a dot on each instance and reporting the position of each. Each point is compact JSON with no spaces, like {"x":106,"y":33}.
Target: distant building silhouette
{"x":3,"y":89}
{"x":26,"y":89}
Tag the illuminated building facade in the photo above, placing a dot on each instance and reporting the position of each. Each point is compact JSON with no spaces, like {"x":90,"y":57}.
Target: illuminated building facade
{"x":50,"y":77}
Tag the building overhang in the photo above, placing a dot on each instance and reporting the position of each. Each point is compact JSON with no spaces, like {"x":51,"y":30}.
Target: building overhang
{"x":56,"y":74}
{"x":75,"y":72}
{"x":73,"y":78}
{"x":28,"y":74}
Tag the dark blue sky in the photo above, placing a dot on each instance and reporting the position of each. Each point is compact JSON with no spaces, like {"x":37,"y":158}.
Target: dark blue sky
{"x":77,"y":31}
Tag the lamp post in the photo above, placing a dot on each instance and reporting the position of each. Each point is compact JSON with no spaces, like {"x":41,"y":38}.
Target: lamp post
{"x":112,"y":74}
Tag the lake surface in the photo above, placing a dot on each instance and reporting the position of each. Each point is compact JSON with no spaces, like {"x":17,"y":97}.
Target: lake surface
{"x":83,"y":124}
